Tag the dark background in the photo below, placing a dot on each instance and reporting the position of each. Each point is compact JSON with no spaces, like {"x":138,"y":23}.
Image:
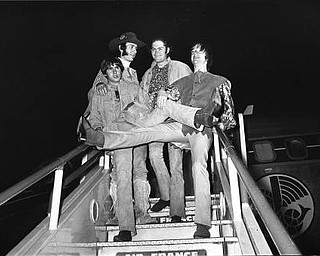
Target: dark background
{"x":50,"y":53}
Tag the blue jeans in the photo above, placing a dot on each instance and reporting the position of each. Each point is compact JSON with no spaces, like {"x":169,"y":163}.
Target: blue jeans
{"x":139,"y":162}
{"x":171,"y":188}
{"x":122,"y":175}
{"x":123,"y":178}
{"x":172,"y":132}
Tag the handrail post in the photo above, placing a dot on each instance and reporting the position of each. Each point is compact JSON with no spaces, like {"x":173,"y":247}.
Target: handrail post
{"x":243,"y":147}
{"x":216,"y":144}
{"x":234,"y":189}
{"x":106,"y":160}
{"x":84,"y":159}
{"x":56,"y":196}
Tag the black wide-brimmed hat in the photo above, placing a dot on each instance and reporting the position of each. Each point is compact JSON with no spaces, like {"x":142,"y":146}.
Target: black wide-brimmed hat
{"x":124,"y":38}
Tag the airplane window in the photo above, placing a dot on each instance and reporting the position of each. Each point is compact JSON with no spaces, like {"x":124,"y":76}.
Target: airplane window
{"x":264,"y":151}
{"x":296,"y":149}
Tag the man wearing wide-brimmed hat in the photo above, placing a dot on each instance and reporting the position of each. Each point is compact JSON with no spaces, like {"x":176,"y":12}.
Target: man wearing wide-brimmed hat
{"x":125,"y":48}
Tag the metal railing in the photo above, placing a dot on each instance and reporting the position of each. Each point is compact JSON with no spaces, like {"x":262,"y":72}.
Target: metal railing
{"x":277,"y":231}
{"x":57,"y":168}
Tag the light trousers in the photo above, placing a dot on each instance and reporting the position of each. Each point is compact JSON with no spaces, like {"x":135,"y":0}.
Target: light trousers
{"x":171,"y":186}
{"x":172,"y":132}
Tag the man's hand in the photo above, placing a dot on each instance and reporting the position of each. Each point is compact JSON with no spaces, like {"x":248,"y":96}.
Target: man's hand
{"x":162,"y":98}
{"x":221,"y":126}
{"x":101,"y":89}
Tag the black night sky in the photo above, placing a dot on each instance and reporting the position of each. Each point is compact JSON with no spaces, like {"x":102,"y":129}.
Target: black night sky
{"x":50,"y":52}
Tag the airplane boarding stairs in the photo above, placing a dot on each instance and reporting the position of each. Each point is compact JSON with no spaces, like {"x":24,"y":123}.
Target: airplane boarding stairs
{"x":242,"y":221}
{"x":163,"y":238}
{"x":177,"y":238}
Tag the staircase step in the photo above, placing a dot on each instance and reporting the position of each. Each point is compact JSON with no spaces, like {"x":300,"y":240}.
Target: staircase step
{"x":208,"y":246}
{"x":189,"y":200}
{"x":166,"y":211}
{"x":165,"y":231}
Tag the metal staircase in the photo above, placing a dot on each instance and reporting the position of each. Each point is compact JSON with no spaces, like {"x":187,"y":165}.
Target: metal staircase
{"x":163,"y":238}
{"x":176,"y":238}
{"x":243,"y":223}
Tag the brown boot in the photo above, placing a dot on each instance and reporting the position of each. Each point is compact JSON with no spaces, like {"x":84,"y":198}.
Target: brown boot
{"x":176,"y":219}
{"x":160,"y":205}
{"x":208,"y":116}
{"x":202,"y":231}
{"x":91,"y":136}
{"x":123,"y":236}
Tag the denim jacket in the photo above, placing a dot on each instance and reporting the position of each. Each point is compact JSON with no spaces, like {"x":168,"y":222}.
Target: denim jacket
{"x":177,"y":70}
{"x":130,"y":76}
{"x":105,"y":109}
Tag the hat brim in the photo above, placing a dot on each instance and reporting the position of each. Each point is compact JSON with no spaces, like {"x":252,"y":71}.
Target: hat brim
{"x":114,"y":43}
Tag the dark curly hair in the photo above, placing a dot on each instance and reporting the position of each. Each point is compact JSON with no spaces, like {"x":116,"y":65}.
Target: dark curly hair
{"x":165,"y":43}
{"x":107,"y":63}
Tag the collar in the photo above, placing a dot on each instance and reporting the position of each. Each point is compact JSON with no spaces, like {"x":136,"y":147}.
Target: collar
{"x":154,"y":63}
{"x":125,"y":63}
{"x":202,"y":68}
{"x":199,"y":73}
{"x":113,"y":86}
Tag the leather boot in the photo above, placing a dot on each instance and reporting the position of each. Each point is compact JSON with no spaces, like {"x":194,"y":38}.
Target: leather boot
{"x":175,"y":219}
{"x":123,"y":236}
{"x":91,"y":136}
{"x":157,"y":207}
{"x":208,"y":116}
{"x":202,"y":231}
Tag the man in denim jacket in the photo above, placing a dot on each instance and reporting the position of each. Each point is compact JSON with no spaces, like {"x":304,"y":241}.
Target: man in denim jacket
{"x":105,"y":109}
{"x":162,"y":73}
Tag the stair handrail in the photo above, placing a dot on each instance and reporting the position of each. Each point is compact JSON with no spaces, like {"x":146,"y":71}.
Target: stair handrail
{"x":40,"y":174}
{"x":277,"y":231}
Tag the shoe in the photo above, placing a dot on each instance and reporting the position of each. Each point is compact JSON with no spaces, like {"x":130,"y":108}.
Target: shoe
{"x":123,"y":236}
{"x":90,"y":136}
{"x":202,"y":231}
{"x":209,"y":115}
{"x":113,"y":221}
{"x":160,"y":205}
{"x":175,"y":219}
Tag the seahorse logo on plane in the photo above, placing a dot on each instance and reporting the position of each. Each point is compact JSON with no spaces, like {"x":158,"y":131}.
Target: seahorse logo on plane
{"x":290,"y":199}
